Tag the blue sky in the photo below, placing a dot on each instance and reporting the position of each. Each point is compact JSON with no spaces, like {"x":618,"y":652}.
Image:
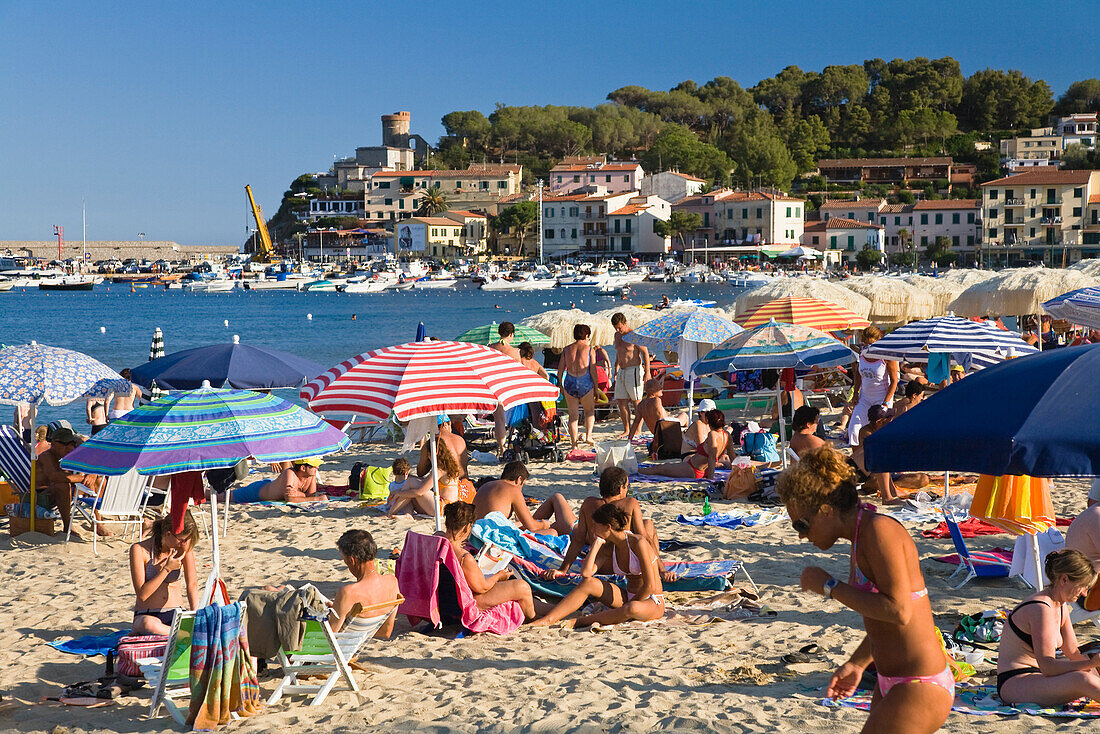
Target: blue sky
{"x":157,"y":114}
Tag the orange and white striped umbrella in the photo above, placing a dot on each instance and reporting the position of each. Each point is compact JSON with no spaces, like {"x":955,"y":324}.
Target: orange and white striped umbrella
{"x":1021,"y":505}
{"x":811,"y":312}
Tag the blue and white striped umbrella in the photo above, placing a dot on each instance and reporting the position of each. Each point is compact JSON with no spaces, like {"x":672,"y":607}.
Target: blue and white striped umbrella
{"x":704,"y":326}
{"x":34,"y":374}
{"x":986,"y":345}
{"x":1080,"y":307}
{"x":776,"y":345}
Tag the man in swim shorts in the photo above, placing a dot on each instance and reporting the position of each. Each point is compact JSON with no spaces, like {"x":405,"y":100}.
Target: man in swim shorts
{"x":631,"y":371}
{"x":296,"y":484}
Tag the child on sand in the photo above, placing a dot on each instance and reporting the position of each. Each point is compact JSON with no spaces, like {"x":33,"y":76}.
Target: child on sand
{"x":370,"y":588}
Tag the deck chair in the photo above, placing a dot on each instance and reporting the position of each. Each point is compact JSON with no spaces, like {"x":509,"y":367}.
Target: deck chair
{"x":123,"y":498}
{"x":976,"y":564}
{"x":15,"y":460}
{"x":169,"y":675}
{"x":324,"y":652}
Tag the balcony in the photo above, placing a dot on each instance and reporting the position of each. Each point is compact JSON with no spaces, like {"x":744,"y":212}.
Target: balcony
{"x":1014,"y":202}
{"x":591,"y":228}
{"x":1050,"y":221}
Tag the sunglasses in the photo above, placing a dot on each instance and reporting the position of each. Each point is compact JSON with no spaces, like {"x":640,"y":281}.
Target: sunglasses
{"x":802,"y":524}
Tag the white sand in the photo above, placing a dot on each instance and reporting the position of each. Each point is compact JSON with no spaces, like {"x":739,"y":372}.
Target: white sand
{"x":723,"y":677}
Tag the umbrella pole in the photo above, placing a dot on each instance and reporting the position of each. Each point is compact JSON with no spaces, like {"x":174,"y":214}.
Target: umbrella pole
{"x":435,"y":483}
{"x":691,"y":394}
{"x":1038,"y":562}
{"x":34,"y":466}
{"x":782,"y":431}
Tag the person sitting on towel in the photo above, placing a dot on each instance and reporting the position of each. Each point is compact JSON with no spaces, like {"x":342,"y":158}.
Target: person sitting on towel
{"x":1029,"y":669}
{"x":632,"y":556}
{"x":707,"y":456}
{"x":370,"y":588}
{"x":614,"y":483}
{"x":407,"y":493}
{"x":505,"y":495}
{"x":458,"y":524}
{"x":804,"y":425}
{"x":155,"y":566}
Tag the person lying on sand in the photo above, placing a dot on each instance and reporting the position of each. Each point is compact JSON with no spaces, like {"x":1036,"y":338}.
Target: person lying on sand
{"x":632,"y":556}
{"x":505,"y":495}
{"x":458,"y":523}
{"x":155,"y":565}
{"x":614,"y":483}
{"x":358,"y":551}
{"x":296,"y":484}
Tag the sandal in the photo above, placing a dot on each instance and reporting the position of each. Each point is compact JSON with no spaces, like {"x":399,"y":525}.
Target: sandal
{"x":808,"y":654}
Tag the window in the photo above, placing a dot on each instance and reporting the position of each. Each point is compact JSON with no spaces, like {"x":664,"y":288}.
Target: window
{"x":955,"y":218}
{"x":970,"y":217}
{"x":573,"y":233}
{"x":924,"y":219}
{"x":384,"y":184}
{"x":955,"y":240}
{"x":1051,"y":195}
{"x":992,"y":213}
{"x":759,"y":213}
{"x":706,"y":219}
{"x":1032,"y":232}
{"x":851,"y":243}
{"x":608,"y":181}
{"x":744,"y":213}
{"x":993,"y":233}
{"x":628,"y":225}
{"x":993,"y":193}
{"x":548,"y":212}
{"x":870,"y":216}
{"x":626,"y":244}
{"x":562,"y":234}
{"x":617,"y":223}
{"x":729,"y":214}
{"x":939,"y":219}
{"x":389,"y":202}
{"x":502,"y":184}
{"x":1076,"y":211}
{"x":401,"y":204}
{"x":798,"y":211}
{"x":832,"y":242}
{"x":1033,"y":193}
{"x":1078,"y":192}
{"x":814,"y":239}
{"x":882,"y":221}
{"x":559,"y":179}
{"x":549,"y":234}
{"x":788,"y":211}
{"x":576,"y":179}
{"x":923,"y":241}
{"x":897,"y":221}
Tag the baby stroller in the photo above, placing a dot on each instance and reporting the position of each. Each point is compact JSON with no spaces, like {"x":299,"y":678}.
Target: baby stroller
{"x":534,"y":437}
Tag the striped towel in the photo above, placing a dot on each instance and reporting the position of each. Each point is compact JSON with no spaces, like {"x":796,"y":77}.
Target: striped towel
{"x":221,"y":678}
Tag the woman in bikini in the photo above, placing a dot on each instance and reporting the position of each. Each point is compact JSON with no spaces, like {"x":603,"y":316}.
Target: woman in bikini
{"x":1028,"y":668}
{"x":577,"y":377}
{"x":155,"y":566}
{"x":707,"y":455}
{"x":631,"y":556}
{"x":915,"y":686}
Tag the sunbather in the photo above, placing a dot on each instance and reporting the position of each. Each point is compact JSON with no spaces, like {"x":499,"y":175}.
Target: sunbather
{"x":155,"y":565}
{"x":804,"y":425}
{"x":447,"y":442}
{"x":505,"y":495}
{"x":59,"y":486}
{"x":707,"y":457}
{"x":358,"y":550}
{"x":651,"y":411}
{"x":296,"y":484}
{"x":631,"y":556}
{"x":408,"y":493}
{"x":458,"y":519}
{"x":614,"y":484}
{"x":885,"y":586}
{"x":1028,"y":667}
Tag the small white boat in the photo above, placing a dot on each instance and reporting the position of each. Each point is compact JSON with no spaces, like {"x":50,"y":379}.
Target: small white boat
{"x":218,"y":285}
{"x":503,"y":284}
{"x":67,"y":283}
{"x":322,"y":286}
{"x":6,"y":285}
{"x":583,"y":281}
{"x":434,"y":283}
{"x":368,"y":285}
{"x":748,"y":280}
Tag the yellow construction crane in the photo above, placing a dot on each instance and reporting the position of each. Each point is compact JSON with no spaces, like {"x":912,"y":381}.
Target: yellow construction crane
{"x":264,"y":250}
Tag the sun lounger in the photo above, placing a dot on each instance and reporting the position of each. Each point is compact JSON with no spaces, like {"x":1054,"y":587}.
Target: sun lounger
{"x":748,"y":405}
{"x":324,"y":652}
{"x":15,"y":460}
{"x":976,"y":564}
{"x":122,"y":502}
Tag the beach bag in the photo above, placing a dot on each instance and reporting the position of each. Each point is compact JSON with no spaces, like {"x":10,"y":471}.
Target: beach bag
{"x":760,"y":446}
{"x":137,"y":647}
{"x":616,"y":453}
{"x":668,"y":441}
{"x":741,"y":482}
{"x":374,"y":483}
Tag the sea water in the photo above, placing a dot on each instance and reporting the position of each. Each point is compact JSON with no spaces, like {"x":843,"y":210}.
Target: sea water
{"x":115,"y":325}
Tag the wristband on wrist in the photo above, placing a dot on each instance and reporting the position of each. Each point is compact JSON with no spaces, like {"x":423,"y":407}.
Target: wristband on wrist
{"x":827,"y":588}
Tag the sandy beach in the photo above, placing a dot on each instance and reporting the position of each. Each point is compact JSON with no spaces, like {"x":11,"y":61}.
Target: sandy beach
{"x":726,"y":676}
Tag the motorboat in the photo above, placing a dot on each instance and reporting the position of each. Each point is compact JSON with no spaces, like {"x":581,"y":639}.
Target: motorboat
{"x":321,"y":286}
{"x":218,"y":285}
{"x":67,"y":283}
{"x":366,"y":285}
{"x":504,"y":284}
{"x":431,"y":283}
{"x":748,"y":279}
{"x":6,"y":285}
{"x":583,"y":281}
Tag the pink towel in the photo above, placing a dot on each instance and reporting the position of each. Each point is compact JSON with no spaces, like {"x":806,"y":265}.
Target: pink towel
{"x":418,"y":578}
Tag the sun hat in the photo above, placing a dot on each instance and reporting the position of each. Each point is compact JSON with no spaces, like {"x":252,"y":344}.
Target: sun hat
{"x":311,"y":461}
{"x":64,"y":435}
{"x":707,"y":404}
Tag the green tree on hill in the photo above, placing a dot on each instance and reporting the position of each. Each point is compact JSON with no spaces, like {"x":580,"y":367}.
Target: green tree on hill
{"x":1082,"y":96}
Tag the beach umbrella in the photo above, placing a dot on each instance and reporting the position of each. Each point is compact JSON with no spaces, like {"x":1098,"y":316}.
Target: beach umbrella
{"x":487,"y":335}
{"x":558,"y":325}
{"x":240,"y":366}
{"x":811,"y":312}
{"x":423,"y":379}
{"x":966,"y":277}
{"x":635,"y":315}
{"x":156,"y":351}
{"x":1090,"y":267}
{"x":803,"y":287}
{"x":1018,"y":292}
{"x":1080,"y":307}
{"x":208,"y":428}
{"x":32,"y":374}
{"x":949,"y":335}
{"x":893,"y":300}
{"x":776,"y":346}
{"x":1020,"y":505}
{"x":689,"y":333}
{"x":942,"y":290}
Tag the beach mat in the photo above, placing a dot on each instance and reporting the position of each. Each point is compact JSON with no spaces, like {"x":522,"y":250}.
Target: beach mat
{"x":693,"y":576}
{"x":973,"y":527}
{"x":983,"y":701}
{"x":90,"y":644}
{"x":733,"y":520}
{"x":720,"y":475}
{"x":677,"y":494}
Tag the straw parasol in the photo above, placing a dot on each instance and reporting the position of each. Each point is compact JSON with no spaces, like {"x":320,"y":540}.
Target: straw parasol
{"x":802,"y":287}
{"x":942,"y":290}
{"x":558,"y":325}
{"x":1018,"y":292}
{"x":1089,"y":267}
{"x":635,"y":316}
{"x":967,"y":277}
{"x":892,"y":299}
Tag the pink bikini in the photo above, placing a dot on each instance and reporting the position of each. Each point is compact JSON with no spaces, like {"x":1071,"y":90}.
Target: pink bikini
{"x":944,"y":679}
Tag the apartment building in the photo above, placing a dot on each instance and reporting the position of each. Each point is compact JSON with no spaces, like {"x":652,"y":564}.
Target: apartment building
{"x":897,"y":224}
{"x":847,"y":236}
{"x":437,"y":237}
{"x":672,"y":186}
{"x":760,"y":217}
{"x":1029,"y":214}
{"x":577,"y":172}
{"x":885,"y":170}
{"x":957,"y":219}
{"x":1043,"y":147}
{"x":475,"y":231}
{"x":860,"y":210}
{"x":632,"y":228}
{"x":395,"y":195}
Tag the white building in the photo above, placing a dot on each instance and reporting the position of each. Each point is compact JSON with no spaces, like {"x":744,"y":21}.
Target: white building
{"x":631,"y":229}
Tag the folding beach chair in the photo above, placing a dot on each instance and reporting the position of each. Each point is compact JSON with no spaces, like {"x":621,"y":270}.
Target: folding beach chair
{"x":976,"y":564}
{"x":324,"y":652}
{"x":15,"y":460}
{"x":122,"y":500}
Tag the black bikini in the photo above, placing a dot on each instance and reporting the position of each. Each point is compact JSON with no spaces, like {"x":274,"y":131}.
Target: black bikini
{"x":1008,"y":675}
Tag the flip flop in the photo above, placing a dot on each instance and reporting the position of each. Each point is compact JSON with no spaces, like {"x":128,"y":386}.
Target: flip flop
{"x":807,"y":654}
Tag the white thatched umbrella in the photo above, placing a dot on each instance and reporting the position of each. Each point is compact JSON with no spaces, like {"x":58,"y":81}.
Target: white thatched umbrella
{"x":558,"y":325}
{"x":635,"y":316}
{"x":967,"y":277}
{"x":802,"y":287}
{"x":1090,"y":267}
{"x":943,"y":291}
{"x":893,"y":301}
{"x":1018,"y":292}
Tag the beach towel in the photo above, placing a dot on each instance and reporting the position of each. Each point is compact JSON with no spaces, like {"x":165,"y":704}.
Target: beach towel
{"x":734,"y":519}
{"x":973,"y":527}
{"x":495,"y":528}
{"x":249,"y":492}
{"x":90,"y":644}
{"x":720,"y":475}
{"x":677,"y":494}
{"x":221,"y":677}
{"x":729,"y":606}
{"x":983,"y":701}
{"x":580,"y":455}
{"x":418,"y":577}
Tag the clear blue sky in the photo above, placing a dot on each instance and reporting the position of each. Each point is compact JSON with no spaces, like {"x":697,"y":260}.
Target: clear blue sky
{"x":157,"y":114}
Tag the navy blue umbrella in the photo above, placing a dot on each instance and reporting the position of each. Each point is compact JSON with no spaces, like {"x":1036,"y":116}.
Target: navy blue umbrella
{"x":421,"y":332}
{"x":1033,"y":416}
{"x":235,"y":365}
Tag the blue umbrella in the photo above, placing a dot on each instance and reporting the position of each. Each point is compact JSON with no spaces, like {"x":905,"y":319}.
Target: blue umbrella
{"x":952,"y":335}
{"x":240,"y":366}
{"x":1081,"y":306}
{"x":1032,"y":416}
{"x":421,"y":332}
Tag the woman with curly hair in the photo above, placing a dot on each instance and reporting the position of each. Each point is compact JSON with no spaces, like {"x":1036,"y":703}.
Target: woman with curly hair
{"x":915,"y":685}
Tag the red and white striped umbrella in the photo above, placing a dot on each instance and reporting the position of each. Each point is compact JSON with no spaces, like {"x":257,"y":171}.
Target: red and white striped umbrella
{"x":426,"y":378}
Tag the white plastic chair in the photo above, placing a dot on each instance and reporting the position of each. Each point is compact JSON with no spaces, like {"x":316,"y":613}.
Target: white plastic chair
{"x":123,"y":499}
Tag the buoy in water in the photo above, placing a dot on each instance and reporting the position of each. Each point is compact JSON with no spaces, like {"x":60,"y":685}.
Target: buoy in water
{"x":103,"y":330}
{"x":226,"y":323}
{"x":309,"y":317}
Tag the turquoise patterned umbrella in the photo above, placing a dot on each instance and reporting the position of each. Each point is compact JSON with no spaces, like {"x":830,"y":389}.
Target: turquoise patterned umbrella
{"x":204,"y":429}
{"x":702,"y":325}
{"x":776,"y":346}
{"x":33,"y":374}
